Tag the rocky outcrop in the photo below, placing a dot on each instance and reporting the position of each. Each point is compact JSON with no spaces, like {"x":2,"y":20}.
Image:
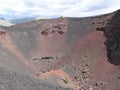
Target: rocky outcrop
{"x":56,"y":27}
{"x":112,"y":33}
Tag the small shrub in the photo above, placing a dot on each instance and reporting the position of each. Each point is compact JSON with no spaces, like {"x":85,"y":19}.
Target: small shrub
{"x":100,"y":29}
{"x":44,"y":33}
{"x":66,"y":80}
{"x":61,"y":32}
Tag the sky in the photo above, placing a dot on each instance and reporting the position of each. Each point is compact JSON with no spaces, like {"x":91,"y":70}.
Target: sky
{"x":56,"y":8}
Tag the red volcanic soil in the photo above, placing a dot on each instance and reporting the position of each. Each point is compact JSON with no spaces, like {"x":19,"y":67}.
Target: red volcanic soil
{"x":61,"y":54}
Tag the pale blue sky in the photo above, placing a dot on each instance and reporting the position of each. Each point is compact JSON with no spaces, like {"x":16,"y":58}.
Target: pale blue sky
{"x":56,"y":8}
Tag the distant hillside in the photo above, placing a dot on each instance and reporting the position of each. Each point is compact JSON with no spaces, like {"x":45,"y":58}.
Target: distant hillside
{"x":9,"y":22}
{"x":21,"y":20}
{"x":4,"y":22}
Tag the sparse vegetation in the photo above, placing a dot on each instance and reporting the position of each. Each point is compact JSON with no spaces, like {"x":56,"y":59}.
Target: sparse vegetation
{"x":65,"y":80}
{"x":100,"y":28}
{"x":60,"y":32}
{"x":44,"y":33}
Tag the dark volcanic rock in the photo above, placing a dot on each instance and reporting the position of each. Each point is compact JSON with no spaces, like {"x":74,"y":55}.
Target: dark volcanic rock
{"x":112,"y":33}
